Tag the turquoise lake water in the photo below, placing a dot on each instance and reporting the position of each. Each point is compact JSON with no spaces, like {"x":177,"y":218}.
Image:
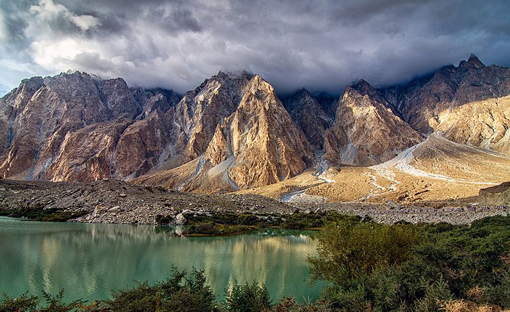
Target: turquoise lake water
{"x":88,"y":261}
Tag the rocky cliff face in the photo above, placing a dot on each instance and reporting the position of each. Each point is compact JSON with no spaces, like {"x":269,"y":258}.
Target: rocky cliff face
{"x":68,"y":127}
{"x":201,"y":110}
{"x":233,"y":132}
{"x":495,"y":196}
{"x":469,"y":103}
{"x":268,"y":147}
{"x":366,"y":132}
{"x":310,"y":116}
{"x":257,"y":144}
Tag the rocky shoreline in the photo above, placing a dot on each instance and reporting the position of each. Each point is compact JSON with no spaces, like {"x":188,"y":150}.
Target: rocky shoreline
{"x":112,"y":201}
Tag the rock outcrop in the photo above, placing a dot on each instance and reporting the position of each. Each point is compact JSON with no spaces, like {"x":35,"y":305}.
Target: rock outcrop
{"x":366,"y":132}
{"x":310,"y":116}
{"x":495,"y":196}
{"x":202,"y":109}
{"x":268,"y":147}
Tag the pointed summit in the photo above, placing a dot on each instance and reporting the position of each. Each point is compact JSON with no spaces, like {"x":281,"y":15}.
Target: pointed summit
{"x":472,"y":62}
{"x":366,"y":132}
{"x":363,"y":87}
{"x":308,"y":114}
{"x":202,"y":109}
{"x":266,"y":144}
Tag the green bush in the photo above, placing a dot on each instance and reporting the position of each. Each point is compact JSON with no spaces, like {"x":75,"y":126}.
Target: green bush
{"x":22,"y":303}
{"x":26,"y":303}
{"x":289,"y":304}
{"x":179,"y":293}
{"x":248,"y":298}
{"x":351,"y":250}
{"x":375,"y":267}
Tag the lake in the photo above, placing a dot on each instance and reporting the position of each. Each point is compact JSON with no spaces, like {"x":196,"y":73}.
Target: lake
{"x":88,"y":261}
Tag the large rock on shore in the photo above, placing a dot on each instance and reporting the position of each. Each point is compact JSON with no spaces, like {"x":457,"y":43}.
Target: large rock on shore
{"x":495,"y":196}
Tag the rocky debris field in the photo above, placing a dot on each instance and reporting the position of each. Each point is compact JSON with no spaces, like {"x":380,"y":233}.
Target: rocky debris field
{"x":390,"y":213}
{"x":111,"y":201}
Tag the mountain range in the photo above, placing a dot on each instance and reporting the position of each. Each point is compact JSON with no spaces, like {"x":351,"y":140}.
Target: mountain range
{"x":233,"y":133}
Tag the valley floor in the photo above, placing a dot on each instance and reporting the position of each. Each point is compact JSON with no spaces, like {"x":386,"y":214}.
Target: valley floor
{"x":120,"y":202}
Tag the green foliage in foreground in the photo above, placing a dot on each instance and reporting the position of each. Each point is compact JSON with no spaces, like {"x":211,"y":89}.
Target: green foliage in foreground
{"x":371,"y":267}
{"x":248,"y":298}
{"x":33,"y":304}
{"x":366,"y":266}
{"x":178,"y":293}
{"x":354,"y":250}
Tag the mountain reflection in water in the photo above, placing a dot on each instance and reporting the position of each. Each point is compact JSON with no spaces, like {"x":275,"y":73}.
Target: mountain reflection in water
{"x":90,"y":260}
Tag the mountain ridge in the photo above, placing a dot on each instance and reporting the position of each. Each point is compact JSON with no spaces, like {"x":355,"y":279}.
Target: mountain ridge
{"x":233,"y":132}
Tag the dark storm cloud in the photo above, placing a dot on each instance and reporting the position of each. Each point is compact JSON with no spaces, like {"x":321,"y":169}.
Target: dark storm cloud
{"x":322,"y":45}
{"x":14,"y":22}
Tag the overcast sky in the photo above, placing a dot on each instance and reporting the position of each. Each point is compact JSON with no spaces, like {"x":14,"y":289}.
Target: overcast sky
{"x":320,"y":45}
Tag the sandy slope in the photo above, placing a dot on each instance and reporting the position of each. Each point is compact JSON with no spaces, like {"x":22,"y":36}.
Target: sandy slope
{"x":433,"y":170}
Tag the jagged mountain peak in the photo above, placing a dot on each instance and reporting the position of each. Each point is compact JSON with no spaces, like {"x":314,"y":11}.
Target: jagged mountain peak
{"x":256,"y":145}
{"x":363,"y":87}
{"x":309,"y":115}
{"x":472,"y":62}
{"x":202,"y":109}
{"x":260,"y":89}
{"x":72,"y":126}
{"x":267,"y":145}
{"x":303,"y":92}
{"x":258,"y":83}
{"x":233,"y":74}
{"x":81,"y":73}
{"x":366,"y":131}
{"x":298,"y":98}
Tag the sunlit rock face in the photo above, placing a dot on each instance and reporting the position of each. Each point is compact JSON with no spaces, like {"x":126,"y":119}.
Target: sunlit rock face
{"x":257,"y":144}
{"x":468,"y":104}
{"x":202,"y":109}
{"x":232,"y":132}
{"x":76,"y":127}
{"x":68,"y":127}
{"x":366,"y":131}
{"x":267,"y":145}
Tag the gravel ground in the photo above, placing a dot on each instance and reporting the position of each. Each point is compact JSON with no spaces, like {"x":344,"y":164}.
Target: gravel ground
{"x":110,"y":201}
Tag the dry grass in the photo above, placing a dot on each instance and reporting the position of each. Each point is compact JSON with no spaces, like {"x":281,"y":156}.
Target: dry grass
{"x":468,"y":306}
